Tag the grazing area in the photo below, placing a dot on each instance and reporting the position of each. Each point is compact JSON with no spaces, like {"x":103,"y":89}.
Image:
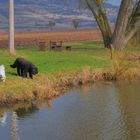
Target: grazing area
{"x":52,"y":66}
{"x":95,"y":56}
{"x":87,"y":61}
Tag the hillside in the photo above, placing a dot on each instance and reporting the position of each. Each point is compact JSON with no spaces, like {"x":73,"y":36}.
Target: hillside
{"x":31,"y":14}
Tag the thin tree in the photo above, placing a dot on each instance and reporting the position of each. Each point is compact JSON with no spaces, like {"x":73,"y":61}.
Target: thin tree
{"x":75,"y":23}
{"x":133,"y":25}
{"x":51,"y":24}
{"x":99,"y":12}
{"x":11,"y":27}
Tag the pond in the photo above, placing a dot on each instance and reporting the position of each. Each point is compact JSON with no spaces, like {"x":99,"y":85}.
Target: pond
{"x":100,"y":111}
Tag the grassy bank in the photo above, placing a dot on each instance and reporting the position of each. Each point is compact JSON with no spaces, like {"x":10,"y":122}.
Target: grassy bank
{"x":57,"y":71}
{"x":83,"y":54}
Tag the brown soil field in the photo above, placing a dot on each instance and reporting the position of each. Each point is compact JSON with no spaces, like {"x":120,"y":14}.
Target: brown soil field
{"x":27,"y":38}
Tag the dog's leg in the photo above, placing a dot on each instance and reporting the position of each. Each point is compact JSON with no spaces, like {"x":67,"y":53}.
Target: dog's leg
{"x":18,"y":71}
{"x":25,"y":72}
{"x":22,"y":72}
{"x":30,"y":74}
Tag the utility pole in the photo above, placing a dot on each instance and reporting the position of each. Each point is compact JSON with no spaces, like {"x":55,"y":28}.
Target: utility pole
{"x":11,"y":27}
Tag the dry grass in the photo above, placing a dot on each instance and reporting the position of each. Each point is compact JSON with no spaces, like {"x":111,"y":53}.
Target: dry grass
{"x":21,"y":90}
{"x":43,"y":87}
{"x":126,"y":66}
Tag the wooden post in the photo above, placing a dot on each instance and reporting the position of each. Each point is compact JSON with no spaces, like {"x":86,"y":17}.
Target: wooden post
{"x":11,"y":27}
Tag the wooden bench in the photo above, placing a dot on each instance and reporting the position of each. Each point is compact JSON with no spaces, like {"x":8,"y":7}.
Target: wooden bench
{"x":55,"y":45}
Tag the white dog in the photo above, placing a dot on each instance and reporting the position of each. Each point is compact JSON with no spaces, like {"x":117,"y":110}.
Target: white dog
{"x":2,"y":73}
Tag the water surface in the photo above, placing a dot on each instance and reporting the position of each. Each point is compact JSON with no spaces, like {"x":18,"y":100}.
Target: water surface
{"x":101,"y":111}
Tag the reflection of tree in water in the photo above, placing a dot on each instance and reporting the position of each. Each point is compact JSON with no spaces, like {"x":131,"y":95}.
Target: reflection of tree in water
{"x":21,"y":111}
{"x":129,"y":103}
{"x":14,"y":127}
{"x":33,"y":108}
{"x":49,"y":104}
{"x":3,"y":117}
{"x":24,"y":111}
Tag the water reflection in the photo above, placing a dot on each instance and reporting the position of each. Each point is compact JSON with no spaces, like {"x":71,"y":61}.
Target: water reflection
{"x":103,"y":111}
{"x":26,"y":111}
{"x":3,"y":116}
{"x":19,"y":111}
{"x":14,"y":126}
{"x":130,"y":101}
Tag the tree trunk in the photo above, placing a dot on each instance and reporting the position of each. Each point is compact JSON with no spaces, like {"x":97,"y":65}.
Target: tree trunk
{"x":133,"y":26}
{"x":121,"y":35}
{"x":121,"y":24}
{"x":11,"y":28}
{"x":102,"y":20}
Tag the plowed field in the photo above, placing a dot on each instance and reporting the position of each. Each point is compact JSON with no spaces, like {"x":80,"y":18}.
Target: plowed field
{"x":65,"y":36}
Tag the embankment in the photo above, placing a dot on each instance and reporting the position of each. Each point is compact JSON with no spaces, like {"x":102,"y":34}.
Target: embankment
{"x":44,"y":87}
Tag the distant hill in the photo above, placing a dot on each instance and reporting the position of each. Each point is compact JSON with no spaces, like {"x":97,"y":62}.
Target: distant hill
{"x":35,"y":14}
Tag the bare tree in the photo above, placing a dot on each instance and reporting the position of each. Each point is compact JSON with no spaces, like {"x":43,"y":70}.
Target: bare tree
{"x":119,"y":37}
{"x":75,"y":23}
{"x":97,"y":7}
{"x":133,"y":25}
{"x":11,"y":28}
{"x":98,"y":10}
{"x":121,"y":24}
{"x":51,"y":24}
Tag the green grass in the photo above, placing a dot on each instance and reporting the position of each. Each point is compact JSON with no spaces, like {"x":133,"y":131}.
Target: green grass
{"x":83,"y":54}
{"x":88,"y":45}
{"x":54,"y":68}
{"x":92,"y":54}
{"x":134,"y":49}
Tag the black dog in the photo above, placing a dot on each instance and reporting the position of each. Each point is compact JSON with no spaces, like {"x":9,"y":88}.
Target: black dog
{"x":24,"y":67}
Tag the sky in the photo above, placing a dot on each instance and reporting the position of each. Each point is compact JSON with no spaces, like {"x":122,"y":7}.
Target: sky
{"x":114,"y":2}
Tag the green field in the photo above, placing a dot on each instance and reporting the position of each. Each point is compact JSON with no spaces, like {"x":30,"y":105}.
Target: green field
{"x":82,"y":55}
{"x":62,"y":68}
